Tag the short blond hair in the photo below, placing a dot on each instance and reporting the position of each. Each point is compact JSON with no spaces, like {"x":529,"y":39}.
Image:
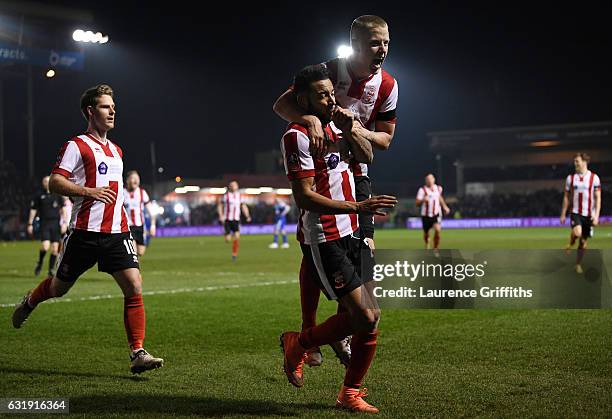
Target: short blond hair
{"x":91,"y":95}
{"x":363,"y":24}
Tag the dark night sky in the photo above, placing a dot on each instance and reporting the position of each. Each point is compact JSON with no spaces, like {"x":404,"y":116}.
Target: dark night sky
{"x":201,"y":85}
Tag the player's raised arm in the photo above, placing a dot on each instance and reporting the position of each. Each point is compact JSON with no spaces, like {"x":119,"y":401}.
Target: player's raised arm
{"x":287,"y":107}
{"x":350,"y":127}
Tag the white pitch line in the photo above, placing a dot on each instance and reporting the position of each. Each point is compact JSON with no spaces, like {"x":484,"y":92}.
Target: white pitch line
{"x":162,"y":292}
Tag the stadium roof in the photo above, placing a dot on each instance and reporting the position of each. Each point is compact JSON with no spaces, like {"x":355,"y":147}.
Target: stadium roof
{"x":551,"y":137}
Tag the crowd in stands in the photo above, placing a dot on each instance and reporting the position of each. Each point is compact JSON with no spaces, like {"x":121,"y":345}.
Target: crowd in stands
{"x":543,"y":203}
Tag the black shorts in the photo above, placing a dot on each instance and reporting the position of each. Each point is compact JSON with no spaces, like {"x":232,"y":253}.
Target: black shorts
{"x":50,"y":230}
{"x":363,"y":191}
{"x":585,"y":222}
{"x":428,"y":222}
{"x":338,"y":264}
{"x":231,"y":226}
{"x":138,"y":234}
{"x":83,"y":249}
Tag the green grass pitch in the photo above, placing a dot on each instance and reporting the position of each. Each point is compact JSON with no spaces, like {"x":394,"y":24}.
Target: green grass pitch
{"x":217,"y":326}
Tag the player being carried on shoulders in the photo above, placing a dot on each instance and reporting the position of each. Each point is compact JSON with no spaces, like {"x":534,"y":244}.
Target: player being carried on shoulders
{"x":370,"y":93}
{"x":324,"y":190}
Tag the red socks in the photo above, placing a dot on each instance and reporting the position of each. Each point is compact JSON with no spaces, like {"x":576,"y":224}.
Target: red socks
{"x":41,"y":293}
{"x":331,"y":330}
{"x":363,"y":348}
{"x":235,"y":246}
{"x":134,"y":320}
{"x":309,"y":295}
{"x":436,"y":240}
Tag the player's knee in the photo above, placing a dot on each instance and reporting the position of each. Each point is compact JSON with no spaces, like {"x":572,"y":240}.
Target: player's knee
{"x":368,"y":320}
{"x":136,"y":284}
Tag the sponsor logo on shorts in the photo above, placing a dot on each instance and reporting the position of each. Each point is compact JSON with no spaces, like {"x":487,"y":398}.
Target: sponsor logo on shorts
{"x":102,"y":168}
{"x":339,"y":280}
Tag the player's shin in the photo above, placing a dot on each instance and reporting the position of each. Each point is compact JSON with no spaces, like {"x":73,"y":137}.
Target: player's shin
{"x":436,"y":240}
{"x":41,"y":293}
{"x":363,"y":349}
{"x":580,"y":252}
{"x":134,"y":321}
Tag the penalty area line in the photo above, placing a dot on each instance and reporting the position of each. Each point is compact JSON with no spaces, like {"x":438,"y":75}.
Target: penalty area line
{"x":164,"y":292}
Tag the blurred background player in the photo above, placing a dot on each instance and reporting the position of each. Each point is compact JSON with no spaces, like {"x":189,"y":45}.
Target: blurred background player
{"x":583,"y":190}
{"x":90,"y":169}
{"x":370,"y":93}
{"x":324,"y":190}
{"x":51,"y":210}
{"x":429,"y":198}
{"x":136,"y":201}
{"x":229,"y":208}
{"x":281,"y":209}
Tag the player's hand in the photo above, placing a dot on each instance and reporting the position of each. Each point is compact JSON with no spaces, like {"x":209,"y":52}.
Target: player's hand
{"x":562,"y":220}
{"x":103,"y":194}
{"x":63,"y":228}
{"x":375,"y":204}
{"x":343,"y":119}
{"x":221,"y":220}
{"x":595,"y":220}
{"x":152,"y":230}
{"x":30,"y":230}
{"x":249,"y":219}
{"x":316,"y":136}
{"x":446,"y":211}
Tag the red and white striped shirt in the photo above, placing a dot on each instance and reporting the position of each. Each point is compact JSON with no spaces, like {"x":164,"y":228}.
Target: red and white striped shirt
{"x":431,"y":200}
{"x":333,"y":179}
{"x":88,"y":162}
{"x":582,"y":189}
{"x":371,"y":99}
{"x":231,"y":205}
{"x":135,"y":202}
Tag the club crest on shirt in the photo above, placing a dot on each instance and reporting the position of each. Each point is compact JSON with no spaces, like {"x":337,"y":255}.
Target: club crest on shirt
{"x":368,"y":94}
{"x":293,"y":162}
{"x":332,"y":161}
{"x":102,"y":168}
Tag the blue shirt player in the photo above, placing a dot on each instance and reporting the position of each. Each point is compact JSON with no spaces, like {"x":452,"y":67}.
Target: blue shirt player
{"x":281,"y":209}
